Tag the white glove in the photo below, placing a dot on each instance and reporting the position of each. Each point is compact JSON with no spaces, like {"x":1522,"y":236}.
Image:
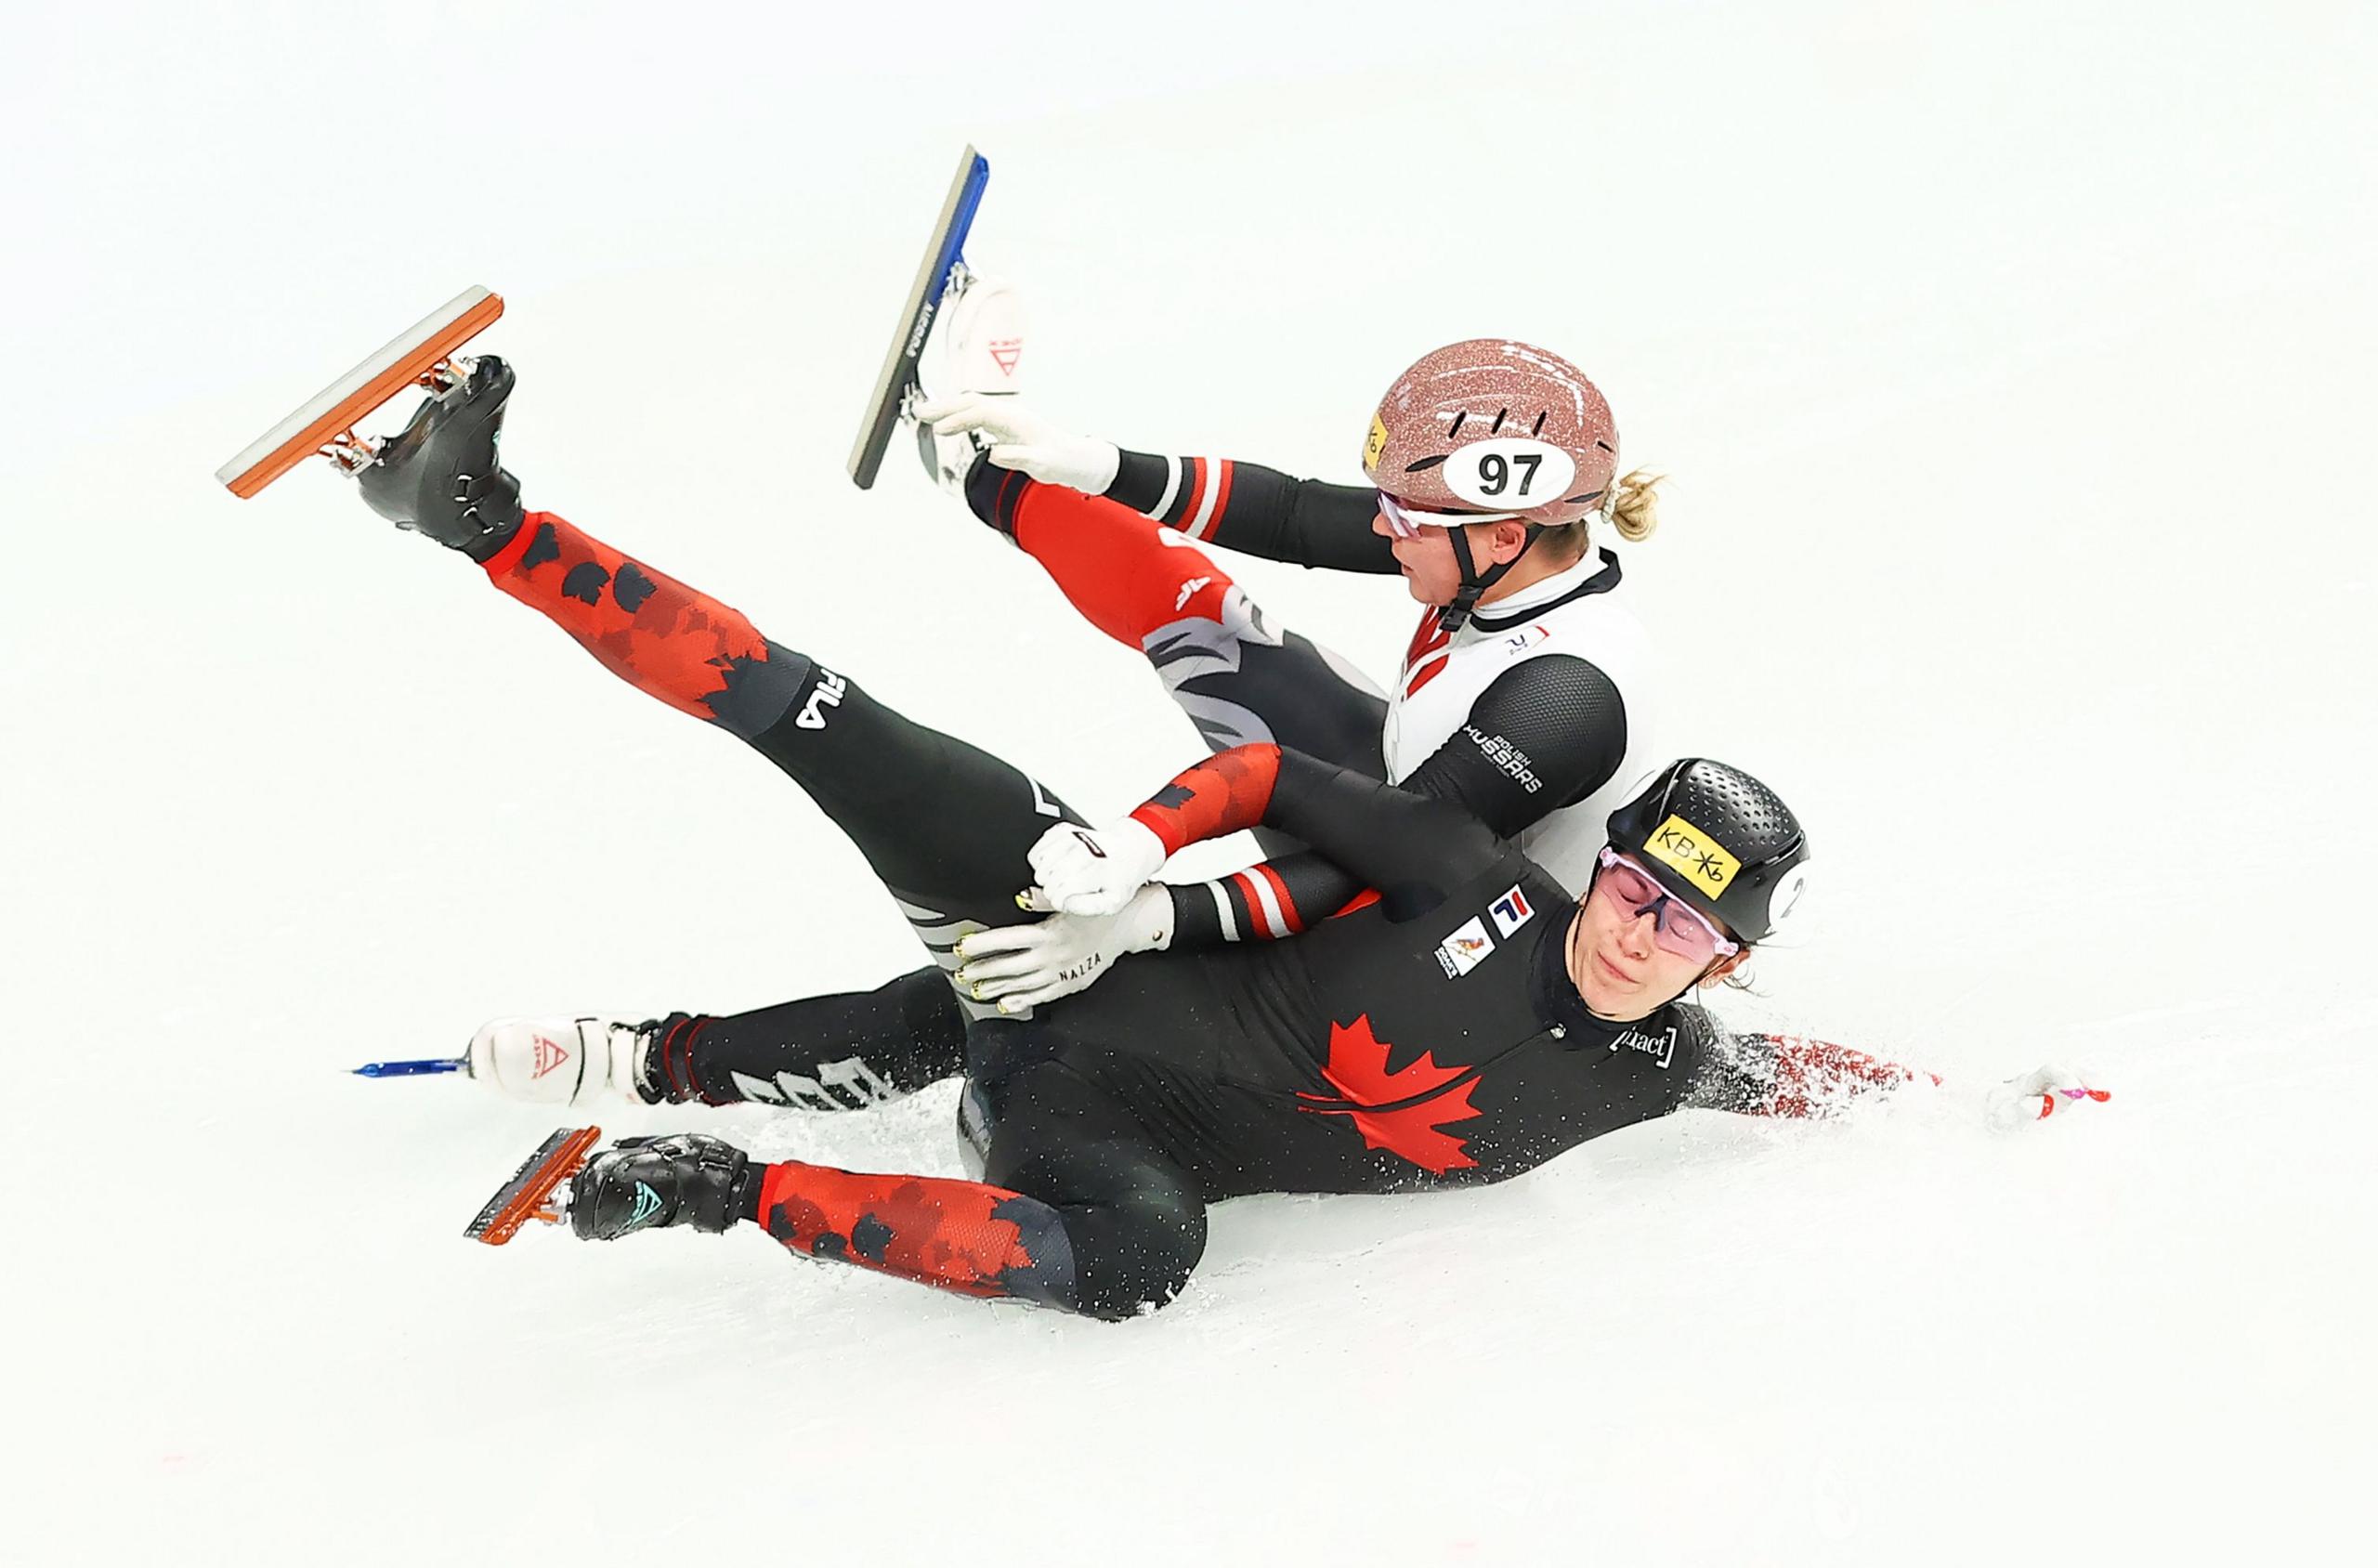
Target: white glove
{"x":2040,"y":1094}
{"x":1025,"y":441}
{"x":1087,"y":871}
{"x":1021,"y":966}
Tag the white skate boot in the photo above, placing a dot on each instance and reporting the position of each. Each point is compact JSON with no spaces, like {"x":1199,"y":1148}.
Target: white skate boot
{"x":563,"y":1061}
{"x":976,"y":347}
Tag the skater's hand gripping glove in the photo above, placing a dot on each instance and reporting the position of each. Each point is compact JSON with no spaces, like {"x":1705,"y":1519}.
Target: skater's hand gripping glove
{"x":1091,"y":871}
{"x":1026,"y":442}
{"x":1022,"y":966}
{"x":2037,"y":1095}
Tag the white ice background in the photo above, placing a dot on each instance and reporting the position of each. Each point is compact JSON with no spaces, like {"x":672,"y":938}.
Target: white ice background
{"x":2012,"y":363}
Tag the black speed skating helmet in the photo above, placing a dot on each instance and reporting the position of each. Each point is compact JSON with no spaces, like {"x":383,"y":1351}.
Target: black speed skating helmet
{"x":1720,"y":840}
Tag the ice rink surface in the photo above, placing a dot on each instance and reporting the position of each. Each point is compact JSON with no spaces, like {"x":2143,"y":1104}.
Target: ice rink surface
{"x":2012,"y":366}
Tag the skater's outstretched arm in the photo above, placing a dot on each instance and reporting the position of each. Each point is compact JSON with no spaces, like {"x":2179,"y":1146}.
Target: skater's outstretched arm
{"x":1240,"y":506}
{"x":1769,"y":1075}
{"x":1258,"y":511}
{"x":1237,"y":506}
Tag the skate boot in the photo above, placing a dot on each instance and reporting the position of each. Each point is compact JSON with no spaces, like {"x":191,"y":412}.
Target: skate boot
{"x":642,"y":1183}
{"x":567,"y":1061}
{"x":977,"y":345}
{"x":441,"y":475}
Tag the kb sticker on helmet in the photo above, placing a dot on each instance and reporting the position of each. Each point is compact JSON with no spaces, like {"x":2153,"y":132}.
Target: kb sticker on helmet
{"x":1679,"y":843}
{"x":1374,"y":444}
{"x":1510,"y":474}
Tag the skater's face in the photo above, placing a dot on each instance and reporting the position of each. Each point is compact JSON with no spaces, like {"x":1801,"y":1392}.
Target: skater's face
{"x":1430,"y":570}
{"x":1622,"y":969}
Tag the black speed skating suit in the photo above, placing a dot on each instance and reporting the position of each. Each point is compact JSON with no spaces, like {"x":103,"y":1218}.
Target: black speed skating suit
{"x":1432,"y":1036}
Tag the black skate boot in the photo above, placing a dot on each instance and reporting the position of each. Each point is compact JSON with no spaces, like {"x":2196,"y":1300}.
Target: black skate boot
{"x":641,"y":1184}
{"x":441,"y":477}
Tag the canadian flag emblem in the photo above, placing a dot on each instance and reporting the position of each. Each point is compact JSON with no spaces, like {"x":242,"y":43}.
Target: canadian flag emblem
{"x":549,"y":1055}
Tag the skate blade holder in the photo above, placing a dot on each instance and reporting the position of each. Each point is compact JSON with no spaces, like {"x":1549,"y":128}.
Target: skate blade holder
{"x":943,"y":266}
{"x":325,"y":423}
{"x":532,"y":1192}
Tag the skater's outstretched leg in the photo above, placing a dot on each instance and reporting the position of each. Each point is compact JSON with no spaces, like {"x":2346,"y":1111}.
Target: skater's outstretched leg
{"x":1079,"y":1209}
{"x":1240,"y":678}
{"x":945,"y":825}
{"x":842,"y":1052}
{"x":939,"y":820}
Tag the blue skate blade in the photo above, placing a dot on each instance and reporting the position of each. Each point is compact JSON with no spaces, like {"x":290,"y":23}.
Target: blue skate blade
{"x":953,"y":245}
{"x":899,"y":371}
{"x":409,"y":1069}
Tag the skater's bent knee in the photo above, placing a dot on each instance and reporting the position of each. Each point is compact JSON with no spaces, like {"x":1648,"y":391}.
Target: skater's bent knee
{"x":1134,"y":1257}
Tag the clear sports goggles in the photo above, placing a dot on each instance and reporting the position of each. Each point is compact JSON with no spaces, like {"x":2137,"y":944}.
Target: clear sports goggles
{"x":1406,"y":522}
{"x":1675,"y":925}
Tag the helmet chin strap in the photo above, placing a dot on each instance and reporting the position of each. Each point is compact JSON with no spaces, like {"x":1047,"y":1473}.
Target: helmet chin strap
{"x":1473,"y":582}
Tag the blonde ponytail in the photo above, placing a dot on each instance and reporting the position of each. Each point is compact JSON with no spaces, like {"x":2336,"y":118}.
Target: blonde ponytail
{"x":1634,"y":504}
{"x":1632,"y":507}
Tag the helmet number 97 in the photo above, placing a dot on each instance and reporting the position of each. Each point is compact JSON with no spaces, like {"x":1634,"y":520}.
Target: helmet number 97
{"x":1510,"y":472}
{"x":1494,"y":473}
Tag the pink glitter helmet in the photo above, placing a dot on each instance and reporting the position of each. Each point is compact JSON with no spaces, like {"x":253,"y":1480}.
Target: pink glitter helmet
{"x":1490,"y":426}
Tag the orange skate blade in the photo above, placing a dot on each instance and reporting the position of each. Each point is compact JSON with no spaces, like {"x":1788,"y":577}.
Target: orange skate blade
{"x":523,"y":1199}
{"x":397,"y":366}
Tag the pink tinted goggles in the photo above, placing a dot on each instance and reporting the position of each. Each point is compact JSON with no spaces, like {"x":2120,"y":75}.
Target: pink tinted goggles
{"x":1406,"y":522}
{"x":1675,"y":925}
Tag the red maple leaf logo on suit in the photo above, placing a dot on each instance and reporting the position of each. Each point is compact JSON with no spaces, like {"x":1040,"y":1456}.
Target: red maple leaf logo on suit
{"x":1357,"y":1067}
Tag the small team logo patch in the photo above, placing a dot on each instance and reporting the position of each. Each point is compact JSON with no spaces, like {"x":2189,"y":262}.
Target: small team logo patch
{"x":1510,"y":911}
{"x":1699,"y":856}
{"x":1465,"y":948}
{"x":1525,"y":638}
{"x":549,"y":1054}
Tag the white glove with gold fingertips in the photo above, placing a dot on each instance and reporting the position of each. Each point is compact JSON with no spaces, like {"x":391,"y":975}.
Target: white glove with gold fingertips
{"x":1023,"y":441}
{"x":1091,"y":870}
{"x":1023,"y":966}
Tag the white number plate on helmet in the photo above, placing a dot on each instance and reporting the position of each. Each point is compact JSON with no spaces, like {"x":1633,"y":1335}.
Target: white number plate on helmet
{"x":1510,"y":474}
